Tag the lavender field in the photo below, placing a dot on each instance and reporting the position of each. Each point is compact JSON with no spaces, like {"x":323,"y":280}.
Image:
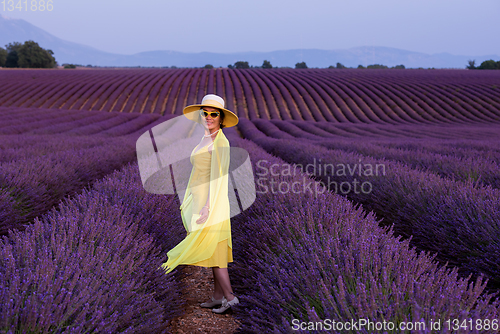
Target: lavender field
{"x":345,"y":96}
{"x":82,"y":241}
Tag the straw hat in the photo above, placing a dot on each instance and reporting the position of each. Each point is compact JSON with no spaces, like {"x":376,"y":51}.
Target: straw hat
{"x":214,"y":101}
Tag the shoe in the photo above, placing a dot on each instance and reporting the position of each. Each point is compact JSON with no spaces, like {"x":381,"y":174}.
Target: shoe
{"x":226,"y":305}
{"x":212,"y":303}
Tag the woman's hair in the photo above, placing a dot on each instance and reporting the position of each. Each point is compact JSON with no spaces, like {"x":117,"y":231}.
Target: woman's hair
{"x":221,"y":118}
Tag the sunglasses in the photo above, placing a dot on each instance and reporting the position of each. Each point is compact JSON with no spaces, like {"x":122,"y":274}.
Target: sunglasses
{"x":213,"y":114}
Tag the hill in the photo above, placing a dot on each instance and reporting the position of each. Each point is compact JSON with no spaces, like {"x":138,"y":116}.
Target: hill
{"x":19,"y":30}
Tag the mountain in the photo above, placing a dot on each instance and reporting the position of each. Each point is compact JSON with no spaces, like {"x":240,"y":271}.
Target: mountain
{"x":18,"y":30}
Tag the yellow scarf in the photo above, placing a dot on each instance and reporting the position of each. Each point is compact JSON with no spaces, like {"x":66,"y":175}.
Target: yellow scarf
{"x":201,"y":243}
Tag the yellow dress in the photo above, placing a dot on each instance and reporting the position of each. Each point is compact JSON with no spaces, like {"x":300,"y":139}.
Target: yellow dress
{"x":209,"y":244}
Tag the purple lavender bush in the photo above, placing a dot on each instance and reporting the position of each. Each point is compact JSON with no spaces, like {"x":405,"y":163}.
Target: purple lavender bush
{"x":301,"y":258}
{"x":91,"y":265}
{"x":24,"y":147}
{"x":36,"y":184}
{"x":37,"y":124}
{"x":477,"y":168}
{"x":485,"y":148}
{"x":459,"y":221}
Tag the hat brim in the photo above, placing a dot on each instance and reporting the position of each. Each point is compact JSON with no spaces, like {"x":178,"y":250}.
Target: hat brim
{"x":230,"y":118}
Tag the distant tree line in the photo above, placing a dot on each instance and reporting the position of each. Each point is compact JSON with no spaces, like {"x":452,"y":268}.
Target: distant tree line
{"x":27,"y":55}
{"x":267,"y":64}
{"x":374,"y":66}
{"x":31,"y":55}
{"x":485,"y":65}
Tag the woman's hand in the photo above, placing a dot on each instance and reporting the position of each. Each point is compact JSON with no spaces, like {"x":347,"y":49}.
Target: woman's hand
{"x":204,"y":215}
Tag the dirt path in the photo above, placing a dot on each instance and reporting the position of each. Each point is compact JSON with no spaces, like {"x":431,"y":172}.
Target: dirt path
{"x":198,"y":288}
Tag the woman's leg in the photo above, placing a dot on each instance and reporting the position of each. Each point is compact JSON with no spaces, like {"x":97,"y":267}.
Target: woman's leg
{"x":218,"y":293}
{"x":223,"y":281}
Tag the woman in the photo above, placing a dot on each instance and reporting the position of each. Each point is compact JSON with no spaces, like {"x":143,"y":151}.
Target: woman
{"x":205,"y":209}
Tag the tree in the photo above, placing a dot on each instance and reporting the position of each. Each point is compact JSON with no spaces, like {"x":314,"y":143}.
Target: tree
{"x":331,"y":66}
{"x":301,"y":65}
{"x":31,"y":55}
{"x":209,"y":66}
{"x":488,"y":65}
{"x":3,"y":56}
{"x":241,"y":64}
{"x":229,"y":66}
{"x":377,"y":66}
{"x":267,"y":64}
{"x":339,"y":65}
{"x":400,"y":67}
{"x":12,"y":54}
{"x":472,"y":64}
{"x":361,"y":66}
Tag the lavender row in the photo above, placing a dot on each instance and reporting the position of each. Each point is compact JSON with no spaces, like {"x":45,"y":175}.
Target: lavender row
{"x":71,"y":98}
{"x":357,"y":113}
{"x":178,"y":104}
{"x":119,"y":125}
{"x":151,"y":102}
{"x":104,"y":93}
{"x":122,"y":192}
{"x":448,"y":140}
{"x":77,"y":123}
{"x":379,"y":102}
{"x":136,"y":125}
{"x":30,"y":187}
{"x":46,"y":119}
{"x":400,"y":110}
{"x":481,"y":138}
{"x":479,"y":166}
{"x":166,"y":91}
{"x":102,"y":124}
{"x":144,"y":96}
{"x":301,"y":257}
{"x":59,"y":97}
{"x":380,"y":97}
{"x":396,"y":107}
{"x":92,"y":103}
{"x":93,"y":265}
{"x":459,"y":148}
{"x":320,"y":130}
{"x":479,"y":169}
{"x":253,"y":96}
{"x":129,"y":91}
{"x":15,"y":148}
{"x":328,"y":100}
{"x":457,"y":220}
{"x":18,"y":117}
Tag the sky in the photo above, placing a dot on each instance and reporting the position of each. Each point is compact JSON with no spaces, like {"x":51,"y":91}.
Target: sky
{"x":459,"y":27}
